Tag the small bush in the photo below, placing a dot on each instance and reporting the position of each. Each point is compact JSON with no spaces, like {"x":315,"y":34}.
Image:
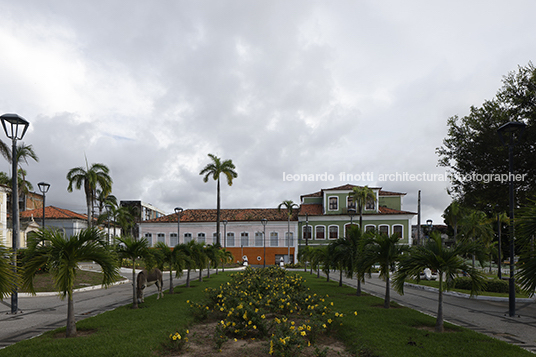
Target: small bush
{"x":490,"y":286}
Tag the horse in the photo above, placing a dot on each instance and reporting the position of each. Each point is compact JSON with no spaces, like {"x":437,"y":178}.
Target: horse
{"x":145,"y":279}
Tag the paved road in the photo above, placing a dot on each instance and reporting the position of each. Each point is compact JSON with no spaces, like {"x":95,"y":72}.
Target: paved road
{"x":47,"y":312}
{"x":488,"y":317}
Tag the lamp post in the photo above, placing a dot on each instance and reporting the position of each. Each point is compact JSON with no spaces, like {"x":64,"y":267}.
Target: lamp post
{"x":43,"y":187}
{"x":264,"y":221}
{"x":224,"y":240}
{"x":511,"y":129}
{"x":429,"y":222}
{"x":15,"y":127}
{"x":499,"y":272}
{"x":178,"y":211}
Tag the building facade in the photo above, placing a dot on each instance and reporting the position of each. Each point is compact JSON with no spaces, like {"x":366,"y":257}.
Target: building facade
{"x":245,"y":234}
{"x":327,"y":214}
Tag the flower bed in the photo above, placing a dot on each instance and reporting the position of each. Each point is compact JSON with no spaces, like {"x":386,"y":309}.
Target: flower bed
{"x":267,"y":304}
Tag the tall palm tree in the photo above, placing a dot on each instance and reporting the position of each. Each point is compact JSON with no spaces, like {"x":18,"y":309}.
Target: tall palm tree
{"x":8,"y":278}
{"x":214,"y":170}
{"x":91,"y":178}
{"x":385,"y":251}
{"x":133,"y":249}
{"x":289,"y":207}
{"x":361,"y":195}
{"x":62,"y":255}
{"x":447,"y":262}
{"x":174,"y":258}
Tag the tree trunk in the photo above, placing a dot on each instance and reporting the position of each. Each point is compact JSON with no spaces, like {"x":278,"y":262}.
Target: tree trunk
{"x":208,"y":271}
{"x":327,"y":276}
{"x":71,"y":322}
{"x":218,"y":215}
{"x":358,"y":291}
{"x":340,"y":278}
{"x":439,"y":321}
{"x":387,"y":301}
{"x":188,"y":278}
{"x":170,"y":280}
{"x":134,"y":297}
{"x":201,"y":274}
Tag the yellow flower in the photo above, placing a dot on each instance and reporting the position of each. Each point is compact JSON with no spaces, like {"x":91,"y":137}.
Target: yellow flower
{"x":303,"y":333}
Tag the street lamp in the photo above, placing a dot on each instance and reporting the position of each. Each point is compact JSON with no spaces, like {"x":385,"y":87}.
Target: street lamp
{"x":511,"y":128}
{"x":43,"y":187}
{"x":178,"y":211}
{"x":15,"y":127}
{"x":429,"y":222}
{"x":264,"y":221}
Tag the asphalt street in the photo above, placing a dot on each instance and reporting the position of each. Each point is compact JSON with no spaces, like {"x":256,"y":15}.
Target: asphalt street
{"x":46,"y":312}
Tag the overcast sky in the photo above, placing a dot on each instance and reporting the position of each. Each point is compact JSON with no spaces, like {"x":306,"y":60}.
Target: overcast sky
{"x":149,"y":88}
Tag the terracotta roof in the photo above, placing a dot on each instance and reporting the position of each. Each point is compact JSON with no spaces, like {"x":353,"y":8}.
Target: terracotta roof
{"x":313,"y":209}
{"x":52,"y":212}
{"x":209,"y":215}
{"x":387,"y":210}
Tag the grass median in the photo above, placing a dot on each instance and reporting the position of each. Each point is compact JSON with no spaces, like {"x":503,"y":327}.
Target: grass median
{"x":367,"y":329}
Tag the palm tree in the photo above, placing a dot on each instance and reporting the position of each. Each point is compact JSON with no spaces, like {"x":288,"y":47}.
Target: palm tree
{"x":214,"y":170}
{"x":476,"y":226}
{"x":304,"y":254}
{"x":225,"y":257}
{"x":91,"y":178}
{"x":133,"y":249}
{"x":5,"y":151}
{"x":385,"y":251}
{"x":105,"y":199}
{"x":8,"y":278}
{"x":447,"y":262}
{"x":175,"y":260}
{"x":361,"y":195}
{"x":348,"y":251}
{"x":62,"y":255}
{"x":187,"y":250}
{"x":289,"y":206}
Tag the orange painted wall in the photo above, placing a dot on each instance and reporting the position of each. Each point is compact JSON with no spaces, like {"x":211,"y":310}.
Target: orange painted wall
{"x":253,"y":252}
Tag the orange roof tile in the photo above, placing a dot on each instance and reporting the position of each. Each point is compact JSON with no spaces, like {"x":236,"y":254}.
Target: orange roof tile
{"x":209,"y":215}
{"x":52,"y":212}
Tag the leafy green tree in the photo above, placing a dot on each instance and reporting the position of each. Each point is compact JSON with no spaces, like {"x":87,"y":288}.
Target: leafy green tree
{"x":62,"y":255}
{"x":133,"y":249}
{"x":174,"y":258}
{"x":453,"y":215}
{"x":472,"y":145}
{"x":214,"y":170}
{"x":360,"y":195}
{"x":304,"y":254}
{"x":385,"y":251}
{"x":447,"y":262}
{"x":91,"y":178}
{"x":289,"y":206}
{"x":8,"y":278}
{"x":526,"y":224}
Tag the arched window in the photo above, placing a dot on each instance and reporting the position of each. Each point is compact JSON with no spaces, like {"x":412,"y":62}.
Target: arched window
{"x":333,"y":232}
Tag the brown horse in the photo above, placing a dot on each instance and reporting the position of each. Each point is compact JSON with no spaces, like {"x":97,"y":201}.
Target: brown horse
{"x":147,"y":279}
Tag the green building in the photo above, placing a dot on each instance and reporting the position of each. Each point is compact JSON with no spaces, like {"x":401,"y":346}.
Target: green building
{"x":327,"y":214}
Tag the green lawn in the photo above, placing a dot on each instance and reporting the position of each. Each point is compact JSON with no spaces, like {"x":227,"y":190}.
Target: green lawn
{"x":374,"y":331}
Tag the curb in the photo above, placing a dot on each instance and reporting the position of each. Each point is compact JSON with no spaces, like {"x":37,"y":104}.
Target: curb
{"x":467,"y":296}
